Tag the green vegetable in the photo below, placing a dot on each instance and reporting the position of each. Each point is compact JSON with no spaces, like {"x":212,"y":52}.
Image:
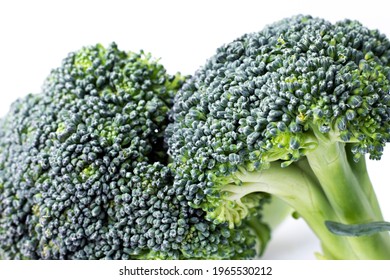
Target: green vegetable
{"x":116,"y":159}
{"x":82,"y":164}
{"x":290,"y":111}
{"x":84,"y":175}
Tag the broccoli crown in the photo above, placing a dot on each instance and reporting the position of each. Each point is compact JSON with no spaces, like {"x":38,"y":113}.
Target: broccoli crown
{"x":83,"y":169}
{"x":273,"y":96}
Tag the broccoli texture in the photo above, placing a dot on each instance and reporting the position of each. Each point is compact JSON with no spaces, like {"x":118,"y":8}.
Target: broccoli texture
{"x":84,"y":175}
{"x":116,"y":159}
{"x":83,"y":161}
{"x":290,"y":111}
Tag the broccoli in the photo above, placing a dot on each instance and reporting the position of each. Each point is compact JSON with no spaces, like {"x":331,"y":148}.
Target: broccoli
{"x":116,"y":159}
{"x":84,"y":170}
{"x":290,"y":111}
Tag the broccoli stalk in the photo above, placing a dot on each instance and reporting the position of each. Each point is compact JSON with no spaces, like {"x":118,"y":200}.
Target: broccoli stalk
{"x":323,"y":186}
{"x":353,"y":201}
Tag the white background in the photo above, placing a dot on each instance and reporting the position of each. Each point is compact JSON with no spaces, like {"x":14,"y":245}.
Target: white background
{"x":36,"y":35}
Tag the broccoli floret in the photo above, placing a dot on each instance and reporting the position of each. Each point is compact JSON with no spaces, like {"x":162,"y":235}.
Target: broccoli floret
{"x":84,"y":175}
{"x":82,"y":161}
{"x":289,"y":111}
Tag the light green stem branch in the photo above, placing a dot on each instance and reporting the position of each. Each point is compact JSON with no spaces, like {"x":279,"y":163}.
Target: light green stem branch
{"x":351,"y":196}
{"x":322,"y":188}
{"x":293,"y":186}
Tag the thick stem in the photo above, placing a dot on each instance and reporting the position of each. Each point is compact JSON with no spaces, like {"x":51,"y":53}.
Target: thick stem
{"x":360,"y":171}
{"x":351,"y":196}
{"x":323,"y":188}
{"x":293,"y":186}
{"x":331,"y":167}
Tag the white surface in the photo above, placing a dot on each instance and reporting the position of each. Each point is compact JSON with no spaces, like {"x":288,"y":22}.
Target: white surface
{"x":36,"y":35}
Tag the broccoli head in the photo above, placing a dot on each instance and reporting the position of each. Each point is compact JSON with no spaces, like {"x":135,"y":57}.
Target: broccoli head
{"x":84,"y":175}
{"x":290,"y":111}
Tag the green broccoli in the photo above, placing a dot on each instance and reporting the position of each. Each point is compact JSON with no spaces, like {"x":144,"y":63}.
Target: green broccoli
{"x":290,"y":111}
{"x":116,"y":159}
{"x":84,"y":175}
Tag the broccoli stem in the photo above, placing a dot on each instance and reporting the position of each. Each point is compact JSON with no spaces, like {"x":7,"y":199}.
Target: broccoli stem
{"x":324,"y":187}
{"x":350,"y":193}
{"x":360,"y":171}
{"x":302,"y":193}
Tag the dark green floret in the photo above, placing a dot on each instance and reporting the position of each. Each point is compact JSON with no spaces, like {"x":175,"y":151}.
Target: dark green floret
{"x":81,"y":160}
{"x":84,"y":175}
{"x":290,"y":111}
